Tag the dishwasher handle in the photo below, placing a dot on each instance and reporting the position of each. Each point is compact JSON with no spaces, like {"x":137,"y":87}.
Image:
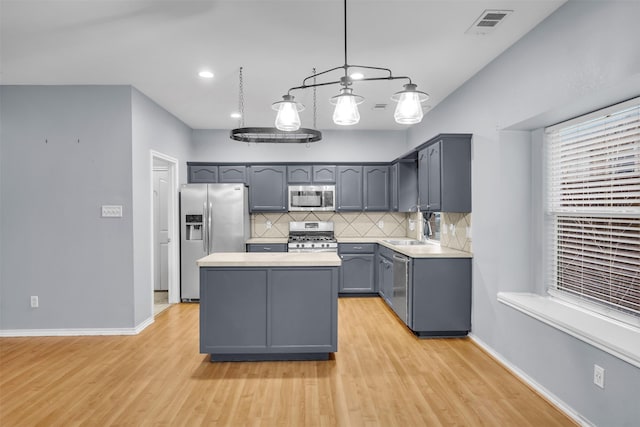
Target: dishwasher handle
{"x":401,"y":259}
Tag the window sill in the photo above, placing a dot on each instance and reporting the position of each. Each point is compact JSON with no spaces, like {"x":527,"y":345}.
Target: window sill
{"x":616,"y":338}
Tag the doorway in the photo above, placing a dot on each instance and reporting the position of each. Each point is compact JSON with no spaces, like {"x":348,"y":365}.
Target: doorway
{"x":164,"y":234}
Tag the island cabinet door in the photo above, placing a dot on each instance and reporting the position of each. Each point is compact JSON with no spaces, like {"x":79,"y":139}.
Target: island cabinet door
{"x":304,"y":312}
{"x":233,"y":310}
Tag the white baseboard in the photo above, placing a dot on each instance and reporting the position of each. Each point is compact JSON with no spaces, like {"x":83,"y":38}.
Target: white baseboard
{"x":533,"y":384}
{"x":75,"y":332}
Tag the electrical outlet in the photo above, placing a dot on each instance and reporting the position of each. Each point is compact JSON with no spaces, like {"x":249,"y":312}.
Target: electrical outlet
{"x":268,"y":224}
{"x":34,"y":301}
{"x":381,"y":224}
{"x":598,"y":376}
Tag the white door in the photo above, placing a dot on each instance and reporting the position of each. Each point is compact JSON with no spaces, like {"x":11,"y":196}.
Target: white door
{"x":161,"y":187}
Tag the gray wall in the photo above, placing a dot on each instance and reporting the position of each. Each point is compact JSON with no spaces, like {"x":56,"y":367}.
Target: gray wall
{"x":343,"y":146}
{"x":88,"y":271}
{"x":54,"y":243}
{"x":583,"y":57}
{"x":153,"y":129}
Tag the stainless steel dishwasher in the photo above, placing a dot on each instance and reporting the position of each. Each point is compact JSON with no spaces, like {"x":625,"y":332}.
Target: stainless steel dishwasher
{"x":401,"y":286}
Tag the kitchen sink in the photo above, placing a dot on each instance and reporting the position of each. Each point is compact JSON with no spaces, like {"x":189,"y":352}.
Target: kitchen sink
{"x":407,"y":242}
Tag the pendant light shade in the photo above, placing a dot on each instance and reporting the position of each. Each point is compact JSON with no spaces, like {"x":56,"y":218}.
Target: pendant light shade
{"x":346,"y":111}
{"x":409,"y":108}
{"x":288,"y":118}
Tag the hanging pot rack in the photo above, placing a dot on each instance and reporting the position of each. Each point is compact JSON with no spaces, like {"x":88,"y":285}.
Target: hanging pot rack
{"x":272,"y":134}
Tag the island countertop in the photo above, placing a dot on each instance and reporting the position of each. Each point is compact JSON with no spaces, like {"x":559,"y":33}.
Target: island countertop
{"x":270,"y":259}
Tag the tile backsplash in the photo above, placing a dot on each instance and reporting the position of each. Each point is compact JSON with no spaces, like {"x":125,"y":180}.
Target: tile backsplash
{"x":455,"y":228}
{"x":346,"y":224}
{"x":455,"y":231}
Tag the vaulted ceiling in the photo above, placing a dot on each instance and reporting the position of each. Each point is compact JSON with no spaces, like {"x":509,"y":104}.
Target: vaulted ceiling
{"x":160,"y":46}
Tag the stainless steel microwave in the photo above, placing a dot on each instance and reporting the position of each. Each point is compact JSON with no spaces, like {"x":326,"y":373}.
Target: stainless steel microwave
{"x":312,"y":197}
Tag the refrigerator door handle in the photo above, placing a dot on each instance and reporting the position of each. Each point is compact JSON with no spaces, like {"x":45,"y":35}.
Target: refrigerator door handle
{"x":210,"y":229}
{"x":205,"y":232}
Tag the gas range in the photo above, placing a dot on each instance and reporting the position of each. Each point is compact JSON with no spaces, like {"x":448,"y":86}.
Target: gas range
{"x":312,"y":236}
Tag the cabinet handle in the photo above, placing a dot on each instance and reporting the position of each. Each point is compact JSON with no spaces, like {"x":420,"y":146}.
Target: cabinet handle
{"x":266,"y":248}
{"x":357,"y":247}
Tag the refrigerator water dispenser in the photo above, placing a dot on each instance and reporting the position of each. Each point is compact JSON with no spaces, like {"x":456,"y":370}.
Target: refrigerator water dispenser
{"x":193,"y":225}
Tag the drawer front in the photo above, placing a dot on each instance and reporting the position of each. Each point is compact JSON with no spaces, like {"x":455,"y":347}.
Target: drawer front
{"x":357,"y":248}
{"x":385,"y":252}
{"x":271,"y":247}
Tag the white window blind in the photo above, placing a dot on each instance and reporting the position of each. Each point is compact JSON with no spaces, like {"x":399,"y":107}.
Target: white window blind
{"x":593,"y":207}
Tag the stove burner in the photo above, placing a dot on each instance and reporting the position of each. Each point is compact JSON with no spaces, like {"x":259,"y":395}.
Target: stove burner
{"x":307,"y":238}
{"x":312,"y":236}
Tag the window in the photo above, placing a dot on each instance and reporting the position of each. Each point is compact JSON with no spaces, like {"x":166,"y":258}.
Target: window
{"x":593,"y":209}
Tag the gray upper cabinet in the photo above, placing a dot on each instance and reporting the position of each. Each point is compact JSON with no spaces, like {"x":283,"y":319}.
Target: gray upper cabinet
{"x":203,"y":174}
{"x":232,"y":174}
{"x":349,"y":188}
{"x":299,"y":174}
{"x":403,"y":182}
{"x":431,"y":192}
{"x":376,"y":188}
{"x":311,"y":174}
{"x":324,"y":174}
{"x":268,"y":188}
{"x":444,"y":174}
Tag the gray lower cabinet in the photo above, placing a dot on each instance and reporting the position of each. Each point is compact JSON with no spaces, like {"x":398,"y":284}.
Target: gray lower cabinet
{"x":268,"y":188}
{"x":385,"y":274}
{"x":268,"y":247}
{"x":274,"y":313}
{"x":357,"y":273}
{"x":440,"y":296}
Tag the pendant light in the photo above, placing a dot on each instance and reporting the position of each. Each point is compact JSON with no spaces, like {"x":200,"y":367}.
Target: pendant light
{"x":346,"y":112}
{"x":287,"y":118}
{"x":408,"y":110}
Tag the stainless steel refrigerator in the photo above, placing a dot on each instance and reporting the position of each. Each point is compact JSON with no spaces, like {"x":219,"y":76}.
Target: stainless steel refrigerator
{"x":213,"y":218}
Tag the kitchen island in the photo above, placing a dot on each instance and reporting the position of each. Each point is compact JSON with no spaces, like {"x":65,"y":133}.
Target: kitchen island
{"x":269,"y":306}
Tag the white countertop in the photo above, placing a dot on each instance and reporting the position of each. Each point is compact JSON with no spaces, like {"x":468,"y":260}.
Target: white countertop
{"x":270,"y":259}
{"x":428,"y":250}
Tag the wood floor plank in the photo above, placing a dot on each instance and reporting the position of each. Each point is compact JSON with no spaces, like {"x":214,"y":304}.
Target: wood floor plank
{"x":382,"y":375}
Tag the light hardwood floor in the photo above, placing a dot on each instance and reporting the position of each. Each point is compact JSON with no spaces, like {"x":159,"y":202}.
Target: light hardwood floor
{"x":381,"y":376}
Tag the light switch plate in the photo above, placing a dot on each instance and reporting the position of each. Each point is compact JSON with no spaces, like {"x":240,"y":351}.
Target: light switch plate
{"x":111,"y":211}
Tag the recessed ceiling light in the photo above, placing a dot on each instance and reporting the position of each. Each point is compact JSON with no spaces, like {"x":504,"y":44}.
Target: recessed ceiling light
{"x":206,"y":74}
{"x":235,"y":115}
{"x":357,"y":76}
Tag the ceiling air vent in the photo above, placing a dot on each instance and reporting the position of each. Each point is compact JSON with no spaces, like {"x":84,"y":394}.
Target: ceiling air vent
{"x":488,"y":21}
